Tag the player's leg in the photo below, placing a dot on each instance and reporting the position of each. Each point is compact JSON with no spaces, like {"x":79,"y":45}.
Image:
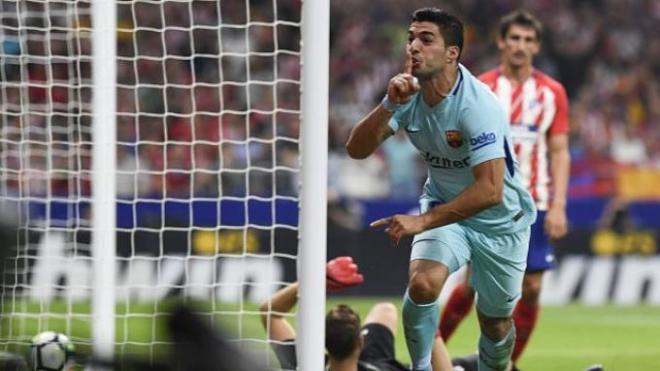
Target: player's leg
{"x":384,"y":314}
{"x":498,"y":266}
{"x":420,"y":309}
{"x":496,"y":342}
{"x":378,"y":332}
{"x":526,"y":312}
{"x":440,"y":356}
{"x":539,"y":259}
{"x":457,"y":307}
{"x":435,"y":254}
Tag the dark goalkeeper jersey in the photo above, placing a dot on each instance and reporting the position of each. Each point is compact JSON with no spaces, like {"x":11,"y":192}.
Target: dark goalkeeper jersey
{"x":377,"y":354}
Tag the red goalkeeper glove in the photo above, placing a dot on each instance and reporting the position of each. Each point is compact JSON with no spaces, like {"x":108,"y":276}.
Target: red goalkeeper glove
{"x":341,"y":273}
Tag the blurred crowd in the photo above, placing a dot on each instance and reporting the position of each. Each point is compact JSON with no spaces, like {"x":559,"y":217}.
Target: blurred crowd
{"x":208,"y":104}
{"x":605,"y":52}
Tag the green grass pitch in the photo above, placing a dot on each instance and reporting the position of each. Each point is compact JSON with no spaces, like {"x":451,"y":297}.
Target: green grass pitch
{"x":567,"y":338}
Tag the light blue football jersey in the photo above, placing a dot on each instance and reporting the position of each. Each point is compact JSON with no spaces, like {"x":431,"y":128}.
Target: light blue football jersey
{"x":465,"y":129}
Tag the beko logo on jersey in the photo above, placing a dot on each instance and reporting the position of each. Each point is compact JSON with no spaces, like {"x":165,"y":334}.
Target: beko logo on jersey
{"x":444,"y":162}
{"x":483,"y":140}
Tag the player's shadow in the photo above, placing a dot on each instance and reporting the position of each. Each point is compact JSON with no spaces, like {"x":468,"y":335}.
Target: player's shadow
{"x":198,"y":346}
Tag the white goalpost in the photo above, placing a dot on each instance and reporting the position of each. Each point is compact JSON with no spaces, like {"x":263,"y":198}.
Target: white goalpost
{"x":163,"y":151}
{"x":313,"y":213}
{"x":104,"y":164}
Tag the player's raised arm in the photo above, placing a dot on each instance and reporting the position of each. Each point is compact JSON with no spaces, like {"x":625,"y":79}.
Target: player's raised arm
{"x":272,"y":313}
{"x":341,"y":273}
{"x":373,"y":129}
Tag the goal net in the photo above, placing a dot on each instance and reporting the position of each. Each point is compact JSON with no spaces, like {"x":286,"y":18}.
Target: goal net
{"x":208,"y":112}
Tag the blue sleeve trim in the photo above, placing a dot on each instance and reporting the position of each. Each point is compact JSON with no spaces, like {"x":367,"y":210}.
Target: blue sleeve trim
{"x":508,"y":158}
{"x":482,"y":145}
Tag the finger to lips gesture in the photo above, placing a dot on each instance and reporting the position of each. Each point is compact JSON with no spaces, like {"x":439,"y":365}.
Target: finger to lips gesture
{"x":403,"y":85}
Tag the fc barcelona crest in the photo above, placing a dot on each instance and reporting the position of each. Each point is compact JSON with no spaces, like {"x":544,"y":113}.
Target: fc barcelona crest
{"x":454,"y":138}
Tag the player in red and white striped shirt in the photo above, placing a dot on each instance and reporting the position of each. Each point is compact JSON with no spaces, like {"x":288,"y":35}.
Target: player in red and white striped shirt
{"x":538,"y":110}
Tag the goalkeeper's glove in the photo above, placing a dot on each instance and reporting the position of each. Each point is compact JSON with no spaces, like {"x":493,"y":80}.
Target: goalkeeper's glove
{"x":341,"y":273}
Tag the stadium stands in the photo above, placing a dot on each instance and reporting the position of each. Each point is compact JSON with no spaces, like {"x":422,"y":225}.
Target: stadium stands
{"x":602,"y":50}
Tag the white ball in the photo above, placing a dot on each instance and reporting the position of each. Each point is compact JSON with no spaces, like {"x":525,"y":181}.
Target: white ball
{"x":51,"y":351}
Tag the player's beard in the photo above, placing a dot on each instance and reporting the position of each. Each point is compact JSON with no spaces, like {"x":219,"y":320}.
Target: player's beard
{"x":426,"y":75}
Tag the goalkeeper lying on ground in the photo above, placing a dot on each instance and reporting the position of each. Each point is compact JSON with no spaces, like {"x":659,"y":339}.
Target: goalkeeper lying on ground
{"x":350,"y":344}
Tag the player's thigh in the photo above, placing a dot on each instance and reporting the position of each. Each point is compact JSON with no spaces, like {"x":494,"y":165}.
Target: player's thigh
{"x":384,"y":313}
{"x":541,"y":255}
{"x":447,"y":245}
{"x":498,"y":267}
{"x":378,"y":342}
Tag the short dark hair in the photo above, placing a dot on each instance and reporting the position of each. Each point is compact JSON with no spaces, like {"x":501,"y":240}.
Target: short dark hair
{"x":450,"y":27}
{"x":342,"y":331}
{"x":520,"y":18}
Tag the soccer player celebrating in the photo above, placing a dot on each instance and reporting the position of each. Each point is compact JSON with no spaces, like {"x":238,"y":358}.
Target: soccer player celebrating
{"x":537,"y":109}
{"x":474,"y":206}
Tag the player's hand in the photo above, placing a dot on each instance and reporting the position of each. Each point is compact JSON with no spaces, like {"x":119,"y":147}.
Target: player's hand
{"x":402,"y":86}
{"x":556,"y":224}
{"x":341,"y":273}
{"x":400,"y":225}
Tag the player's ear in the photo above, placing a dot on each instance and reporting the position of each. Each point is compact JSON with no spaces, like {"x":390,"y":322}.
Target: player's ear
{"x":452,"y":53}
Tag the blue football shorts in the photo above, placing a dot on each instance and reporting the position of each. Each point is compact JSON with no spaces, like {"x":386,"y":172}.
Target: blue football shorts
{"x":541,"y":255}
{"x":498,"y":261}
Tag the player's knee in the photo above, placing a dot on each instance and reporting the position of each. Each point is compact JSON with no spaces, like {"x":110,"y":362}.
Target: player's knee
{"x":422,"y":289}
{"x":386,"y":309}
{"x":495,"y":328}
{"x":384,"y":313}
